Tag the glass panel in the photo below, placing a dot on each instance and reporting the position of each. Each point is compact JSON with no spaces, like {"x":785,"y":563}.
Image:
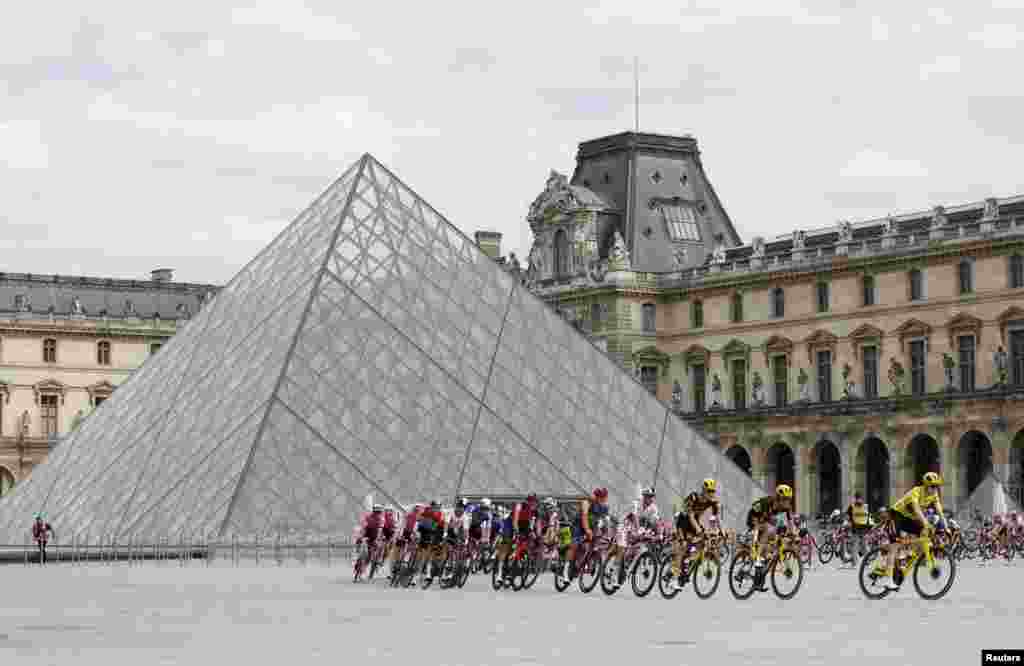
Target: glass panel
{"x":966,"y":364}
{"x":917,"y":368}
{"x":825,"y":376}
{"x":739,"y":384}
{"x":699,"y":388}
{"x":780,"y":369}
{"x":870,"y":372}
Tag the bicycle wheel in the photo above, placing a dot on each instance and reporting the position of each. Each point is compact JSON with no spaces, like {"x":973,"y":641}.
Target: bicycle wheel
{"x":561,"y":582}
{"x":374,"y":565}
{"x":497,"y":582}
{"x":644,"y":574}
{"x":666,"y":581}
{"x":357,"y":570}
{"x":425,"y":579}
{"x":787,"y":571}
{"x":706,"y":576}
{"x":515,"y":572}
{"x":531,"y":571}
{"x":610,"y":575}
{"x":806,"y":553}
{"x":941,"y":574}
{"x":826,"y":552}
{"x":590,"y":572}
{"x":741,"y":573}
{"x":870,"y":581}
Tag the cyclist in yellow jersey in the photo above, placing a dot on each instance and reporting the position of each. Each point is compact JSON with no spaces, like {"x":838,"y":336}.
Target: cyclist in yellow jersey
{"x":908,"y":518}
{"x":860,"y":523}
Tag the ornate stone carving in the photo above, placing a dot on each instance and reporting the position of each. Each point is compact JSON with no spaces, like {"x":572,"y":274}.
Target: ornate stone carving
{"x":939,"y":218}
{"x":49,"y":386}
{"x":677,"y":396}
{"x":679,"y":256}
{"x":716,"y":392}
{"x":129,"y":308}
{"x":718,"y":254}
{"x":845,"y":232}
{"x":619,"y":254}
{"x":26,"y":423}
{"x":803,"y":382}
{"x":535,"y":268}
{"x":757,"y":390}
{"x":949,"y":365}
{"x":889,"y":226}
{"x":799,"y":238}
{"x":598,"y":270}
{"x":991,"y":209}
{"x":896,"y":376}
{"x":557,"y":199}
{"x":758,"y":246}
{"x":76,"y":306}
{"x":1001,"y":363}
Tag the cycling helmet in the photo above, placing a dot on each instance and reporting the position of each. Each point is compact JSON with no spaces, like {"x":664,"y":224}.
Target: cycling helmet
{"x":600,"y":493}
{"x":710,"y":485}
{"x":835,"y":512}
{"x":377,"y":508}
{"x":550,"y":502}
{"x":460,"y":505}
{"x":784,"y":491}
{"x":931,"y":479}
{"x":532,"y":498}
{"x":436,"y":504}
{"x":647,"y":492}
{"x":485,"y":502}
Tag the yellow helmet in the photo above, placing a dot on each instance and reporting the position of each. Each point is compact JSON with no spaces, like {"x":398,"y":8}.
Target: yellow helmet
{"x":931,"y":479}
{"x":784,"y":491}
{"x":710,"y":485}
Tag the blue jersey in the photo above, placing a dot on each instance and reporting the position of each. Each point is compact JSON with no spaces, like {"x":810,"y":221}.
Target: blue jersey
{"x":478,"y":515}
{"x":506,"y":525}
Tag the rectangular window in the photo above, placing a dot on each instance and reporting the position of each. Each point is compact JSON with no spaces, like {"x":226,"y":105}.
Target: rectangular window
{"x":739,"y":384}
{"x":699,"y":388}
{"x":916,"y":285}
{"x":698,"y":314}
{"x":737,"y":308}
{"x":680,"y":222}
{"x":965,"y":270}
{"x":48,"y":414}
{"x":103,"y":353}
{"x":649,"y":378}
{"x":648,"y":317}
{"x":825,"y":376}
{"x":918,"y":385}
{"x":870,"y":372}
{"x":823,"y":297}
{"x":1016,"y":271}
{"x":869,"y":290}
{"x":49,"y":350}
{"x":1017,"y":358}
{"x":780,"y":373}
{"x":965,"y":345}
{"x":154,"y":348}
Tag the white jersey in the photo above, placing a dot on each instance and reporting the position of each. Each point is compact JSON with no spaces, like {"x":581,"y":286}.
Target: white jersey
{"x":648,"y":515}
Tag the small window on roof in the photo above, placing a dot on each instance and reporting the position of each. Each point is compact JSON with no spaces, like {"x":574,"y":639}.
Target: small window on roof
{"x":680,"y":222}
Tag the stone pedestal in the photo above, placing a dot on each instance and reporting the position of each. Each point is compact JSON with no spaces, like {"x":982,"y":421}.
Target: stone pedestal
{"x":987,"y":226}
{"x":937,"y":233}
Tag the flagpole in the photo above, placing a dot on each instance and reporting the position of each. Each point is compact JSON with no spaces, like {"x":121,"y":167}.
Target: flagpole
{"x":636,"y":94}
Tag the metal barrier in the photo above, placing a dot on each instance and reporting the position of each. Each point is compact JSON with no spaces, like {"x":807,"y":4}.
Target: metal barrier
{"x":185,"y":549}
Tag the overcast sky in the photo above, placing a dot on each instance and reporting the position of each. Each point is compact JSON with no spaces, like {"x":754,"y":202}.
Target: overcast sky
{"x":186,"y":135}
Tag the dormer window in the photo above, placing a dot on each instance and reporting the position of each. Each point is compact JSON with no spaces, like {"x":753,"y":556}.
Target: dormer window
{"x":680,"y":222}
{"x":19,"y":302}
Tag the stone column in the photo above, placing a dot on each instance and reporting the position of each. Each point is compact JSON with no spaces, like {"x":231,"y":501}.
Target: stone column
{"x":801,"y":484}
{"x":895,"y":482}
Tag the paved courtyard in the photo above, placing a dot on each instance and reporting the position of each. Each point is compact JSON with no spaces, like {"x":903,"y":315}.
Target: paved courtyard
{"x":166,"y":614}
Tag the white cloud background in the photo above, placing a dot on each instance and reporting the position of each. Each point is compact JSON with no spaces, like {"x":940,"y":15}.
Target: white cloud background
{"x":138,"y":135}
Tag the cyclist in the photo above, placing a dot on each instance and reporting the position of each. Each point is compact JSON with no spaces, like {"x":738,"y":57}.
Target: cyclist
{"x":505,"y":531}
{"x":388,"y":528}
{"x":688,"y":527}
{"x":860,"y":520}
{"x":779,"y":507}
{"x":523,"y":515}
{"x":41,"y":532}
{"x":431,"y":530}
{"x":457,"y":529}
{"x":372,"y":524}
{"x":549,"y":521}
{"x":408,"y":527}
{"x":908,"y":518}
{"x":479,"y":515}
{"x":648,"y":511}
{"x":592,"y":510}
{"x":1000,"y":531}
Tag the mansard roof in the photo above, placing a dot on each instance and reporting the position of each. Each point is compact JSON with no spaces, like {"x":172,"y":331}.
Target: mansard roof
{"x":112,"y":297}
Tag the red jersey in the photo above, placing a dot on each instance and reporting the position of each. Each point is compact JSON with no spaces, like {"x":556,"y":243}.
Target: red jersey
{"x":40,"y":531}
{"x":373,"y":521}
{"x":525,"y":512}
{"x":410,"y":520}
{"x":389,"y":521}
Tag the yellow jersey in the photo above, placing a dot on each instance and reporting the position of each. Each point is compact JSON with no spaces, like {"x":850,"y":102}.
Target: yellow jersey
{"x":918,"y":495}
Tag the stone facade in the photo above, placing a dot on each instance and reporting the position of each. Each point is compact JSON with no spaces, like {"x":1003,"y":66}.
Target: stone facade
{"x":908,"y":333}
{"x":65,"y":346}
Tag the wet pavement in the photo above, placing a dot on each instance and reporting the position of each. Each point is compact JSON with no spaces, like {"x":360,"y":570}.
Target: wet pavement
{"x":166,"y":614}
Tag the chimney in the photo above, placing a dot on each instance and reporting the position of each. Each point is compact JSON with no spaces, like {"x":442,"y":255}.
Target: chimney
{"x":489,"y":242}
{"x":162,"y":275}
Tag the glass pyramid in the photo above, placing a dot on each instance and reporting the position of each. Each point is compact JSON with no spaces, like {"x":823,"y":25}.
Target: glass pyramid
{"x":370,"y":350}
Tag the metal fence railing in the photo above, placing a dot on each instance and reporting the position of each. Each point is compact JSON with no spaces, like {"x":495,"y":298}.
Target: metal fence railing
{"x":267,"y":550}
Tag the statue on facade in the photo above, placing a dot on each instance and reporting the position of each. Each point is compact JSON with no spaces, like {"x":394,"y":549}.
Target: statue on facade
{"x":556,"y":198}
{"x":845,"y":232}
{"x":513,"y":262}
{"x":889,"y":226}
{"x":716,"y":392}
{"x":758,"y":247}
{"x":848,"y":384}
{"x":949,"y":365}
{"x":896,"y":375}
{"x":1001,"y":364}
{"x":718,"y":254}
{"x":26,"y":422}
{"x":129,"y":307}
{"x":799,"y":238}
{"x":23,"y":303}
{"x":598,"y":270}
{"x":939,"y":218}
{"x":76,"y":306}
{"x":991,"y":209}
{"x":757,"y":390}
{"x":619,"y":254}
{"x":679,"y":256}
{"x":535,"y":268}
{"x":803,"y":382}
{"x":677,"y":397}
{"x":77,"y":421}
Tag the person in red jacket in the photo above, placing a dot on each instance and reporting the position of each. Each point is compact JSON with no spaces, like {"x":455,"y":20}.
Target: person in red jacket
{"x":41,"y":532}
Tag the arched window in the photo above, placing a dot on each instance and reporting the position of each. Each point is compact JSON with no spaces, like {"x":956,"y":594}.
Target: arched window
{"x":778,"y":303}
{"x":103,"y":353}
{"x":737,"y":307}
{"x":562,"y":256}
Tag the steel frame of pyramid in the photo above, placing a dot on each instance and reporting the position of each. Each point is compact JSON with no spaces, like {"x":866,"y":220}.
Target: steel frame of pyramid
{"x":370,"y":349}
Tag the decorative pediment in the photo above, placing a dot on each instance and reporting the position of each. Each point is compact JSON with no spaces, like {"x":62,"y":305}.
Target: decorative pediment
{"x":5,"y":392}
{"x":100,"y":388}
{"x":1012,"y":313}
{"x":777,"y":344}
{"x":696,"y":355}
{"x":912,"y":328}
{"x":736,"y":347}
{"x":961,"y":324}
{"x":820,"y":339}
{"x":652,"y":356}
{"x":559,"y":199}
{"x":49,"y":387}
{"x":865,"y":335}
